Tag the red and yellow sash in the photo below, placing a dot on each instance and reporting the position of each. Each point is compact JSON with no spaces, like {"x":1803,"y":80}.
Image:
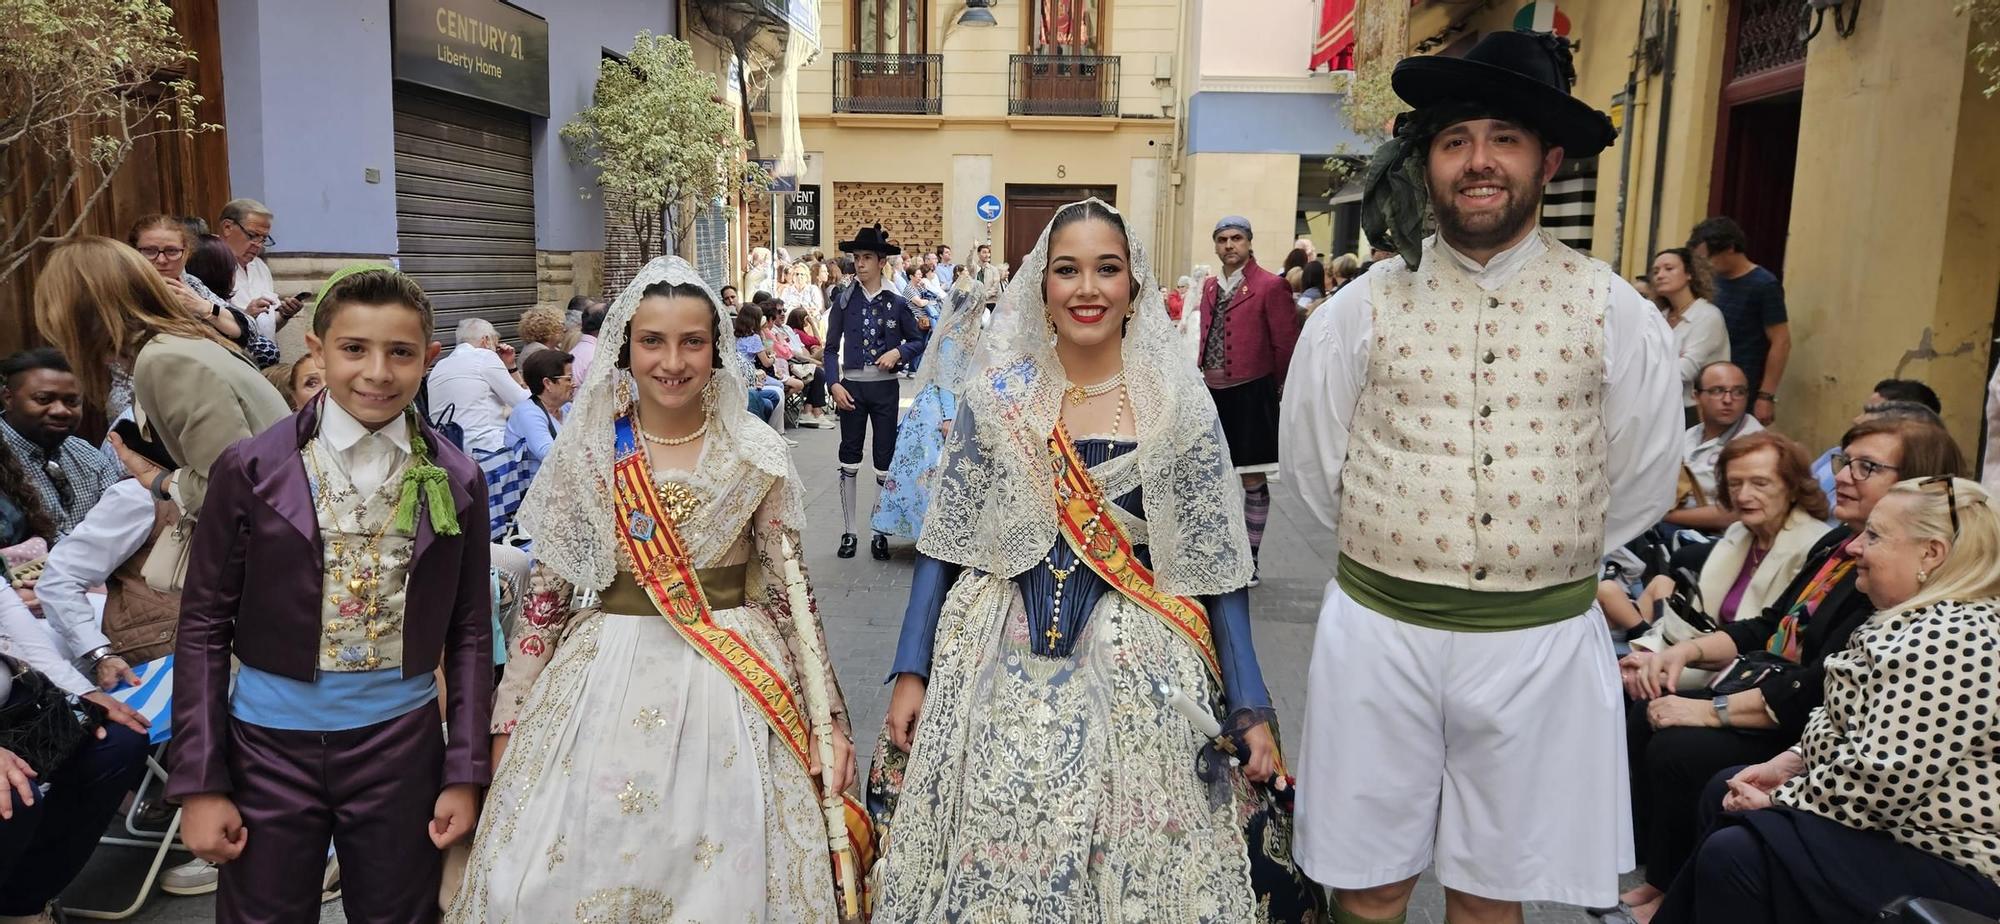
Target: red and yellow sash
{"x":662,"y":566}
{"x":1097,"y":539}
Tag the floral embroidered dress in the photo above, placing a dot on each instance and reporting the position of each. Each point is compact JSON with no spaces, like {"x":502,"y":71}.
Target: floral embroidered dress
{"x":640,"y":782}
{"x":921,"y":434}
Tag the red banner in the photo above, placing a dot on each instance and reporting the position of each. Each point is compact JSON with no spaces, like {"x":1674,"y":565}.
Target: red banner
{"x":1334,"y":50}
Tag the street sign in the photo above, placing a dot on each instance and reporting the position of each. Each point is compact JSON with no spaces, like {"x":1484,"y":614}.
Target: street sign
{"x":802,"y":217}
{"x":988,"y":207}
{"x":779,"y":184}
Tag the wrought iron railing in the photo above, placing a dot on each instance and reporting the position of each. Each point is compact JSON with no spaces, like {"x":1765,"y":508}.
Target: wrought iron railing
{"x":1071,"y":85}
{"x":872,"y":83}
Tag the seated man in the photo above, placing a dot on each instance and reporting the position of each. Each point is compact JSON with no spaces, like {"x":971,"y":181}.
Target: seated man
{"x":1907,"y":396}
{"x":40,"y":407}
{"x":1722,"y":395}
{"x":479,"y":383}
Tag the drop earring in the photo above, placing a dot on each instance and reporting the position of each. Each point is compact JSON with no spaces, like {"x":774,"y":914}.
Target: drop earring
{"x":708,"y":398}
{"x":624,"y":394}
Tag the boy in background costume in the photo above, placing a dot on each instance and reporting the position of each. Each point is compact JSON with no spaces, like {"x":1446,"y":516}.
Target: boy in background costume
{"x":870,"y":330}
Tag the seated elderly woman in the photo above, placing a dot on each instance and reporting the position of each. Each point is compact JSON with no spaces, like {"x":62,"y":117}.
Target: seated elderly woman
{"x":1894,"y":788}
{"x":1765,"y":483}
{"x":1677,"y":741}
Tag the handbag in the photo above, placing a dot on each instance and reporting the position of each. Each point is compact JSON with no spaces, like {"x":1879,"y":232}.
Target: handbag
{"x":166,"y":565}
{"x":38,"y":723}
{"x":1749,"y":671}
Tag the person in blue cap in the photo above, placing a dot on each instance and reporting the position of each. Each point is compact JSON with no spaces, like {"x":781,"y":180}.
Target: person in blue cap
{"x":1249,"y":325}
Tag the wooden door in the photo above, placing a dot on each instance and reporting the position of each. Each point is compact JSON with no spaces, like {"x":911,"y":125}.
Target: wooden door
{"x":1031,"y":208}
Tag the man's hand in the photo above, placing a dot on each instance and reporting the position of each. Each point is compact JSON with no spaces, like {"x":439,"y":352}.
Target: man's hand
{"x":841,"y":401}
{"x":906,"y":703}
{"x":1764,"y":411}
{"x":456,"y":812}
{"x":212,"y":828}
{"x":112,"y":671}
{"x":1682,"y":712}
{"x":889,"y":360}
{"x":259,"y":305}
{"x":506,"y":353}
{"x":16,"y":782}
{"x":289,"y":309}
{"x":1263,"y":762}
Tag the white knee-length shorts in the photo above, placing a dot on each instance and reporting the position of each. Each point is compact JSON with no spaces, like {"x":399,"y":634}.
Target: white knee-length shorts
{"x":1498,"y":756}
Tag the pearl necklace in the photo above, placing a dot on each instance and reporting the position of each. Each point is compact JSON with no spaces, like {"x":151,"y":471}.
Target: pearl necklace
{"x":698,"y":433}
{"x":1080,"y":392}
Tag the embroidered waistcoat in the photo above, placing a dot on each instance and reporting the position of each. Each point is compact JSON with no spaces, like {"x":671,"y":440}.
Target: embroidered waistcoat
{"x":1477,"y":453}
{"x":365,"y":566}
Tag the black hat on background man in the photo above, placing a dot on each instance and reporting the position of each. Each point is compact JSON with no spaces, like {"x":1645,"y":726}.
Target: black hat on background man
{"x":871,"y":240}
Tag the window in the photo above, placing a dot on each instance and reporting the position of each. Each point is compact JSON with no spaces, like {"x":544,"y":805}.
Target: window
{"x":1064,"y":27}
{"x":889,"y":27}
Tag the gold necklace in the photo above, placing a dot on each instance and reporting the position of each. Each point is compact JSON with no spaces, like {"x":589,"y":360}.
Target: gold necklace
{"x":356,"y":583}
{"x":698,"y":433}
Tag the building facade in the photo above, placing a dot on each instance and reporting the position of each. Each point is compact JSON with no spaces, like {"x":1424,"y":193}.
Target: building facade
{"x":909,"y":117}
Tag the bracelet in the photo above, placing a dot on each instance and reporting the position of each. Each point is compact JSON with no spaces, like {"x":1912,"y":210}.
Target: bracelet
{"x":159,"y":485}
{"x":513,"y":369}
{"x":1767,"y":396}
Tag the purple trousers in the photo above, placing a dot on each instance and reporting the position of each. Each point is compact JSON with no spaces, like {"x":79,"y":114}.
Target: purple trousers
{"x":370,"y":791}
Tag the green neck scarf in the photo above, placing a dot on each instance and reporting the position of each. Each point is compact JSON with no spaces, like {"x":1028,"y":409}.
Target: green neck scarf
{"x":424,"y":480}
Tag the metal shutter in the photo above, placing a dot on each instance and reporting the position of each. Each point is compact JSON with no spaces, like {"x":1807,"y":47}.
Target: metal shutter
{"x":465,"y":207}
{"x":711,"y":244}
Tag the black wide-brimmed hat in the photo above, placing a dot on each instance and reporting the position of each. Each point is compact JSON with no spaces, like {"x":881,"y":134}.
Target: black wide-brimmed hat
{"x":1527,"y":74}
{"x":872,"y":240}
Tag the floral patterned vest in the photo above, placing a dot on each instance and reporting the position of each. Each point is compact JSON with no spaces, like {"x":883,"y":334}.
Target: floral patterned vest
{"x":365,"y":566}
{"x":1477,"y":453}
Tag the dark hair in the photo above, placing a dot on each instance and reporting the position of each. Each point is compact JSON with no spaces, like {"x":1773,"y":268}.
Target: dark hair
{"x":374,"y":287}
{"x":727,"y":288}
{"x":1719,"y":233}
{"x":775,"y":311}
{"x":1701,"y":282}
{"x":1908,"y":410}
{"x":150,"y":222}
{"x":212,"y":262}
{"x":1314,"y":275}
{"x":1294,"y":260}
{"x":1928,"y":449}
{"x":1091,"y":209}
{"x":1909,"y":390}
{"x":14,"y":484}
{"x":1793,"y":468}
{"x":579,"y":303}
{"x":540,"y":367}
{"x":593,"y":318}
{"x":797,"y":318}
{"x":747,"y":321}
{"x":196,"y":225}
{"x":666,"y":290}
{"x":847,"y":265}
{"x":31,"y":360}
{"x":760,"y":298}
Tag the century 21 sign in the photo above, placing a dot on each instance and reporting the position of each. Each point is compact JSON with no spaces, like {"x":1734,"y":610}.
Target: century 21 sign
{"x":484,"y":49}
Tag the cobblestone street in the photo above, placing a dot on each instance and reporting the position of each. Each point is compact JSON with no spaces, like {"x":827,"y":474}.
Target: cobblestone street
{"x":862,"y":601}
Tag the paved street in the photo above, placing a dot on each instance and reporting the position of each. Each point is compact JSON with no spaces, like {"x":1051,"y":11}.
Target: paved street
{"x":862,"y":601}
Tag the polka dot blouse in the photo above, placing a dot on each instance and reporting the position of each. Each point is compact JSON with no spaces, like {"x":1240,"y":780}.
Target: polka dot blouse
{"x":1906,"y":742}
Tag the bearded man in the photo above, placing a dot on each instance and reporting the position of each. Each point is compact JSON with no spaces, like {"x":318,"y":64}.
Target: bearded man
{"x":1478,"y":422}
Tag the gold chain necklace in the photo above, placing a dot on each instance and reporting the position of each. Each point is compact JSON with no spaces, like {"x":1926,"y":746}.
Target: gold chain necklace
{"x":356,"y":583}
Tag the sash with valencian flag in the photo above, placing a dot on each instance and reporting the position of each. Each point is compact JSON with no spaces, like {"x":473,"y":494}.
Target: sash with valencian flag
{"x":661,"y":565}
{"x":1098,"y":541}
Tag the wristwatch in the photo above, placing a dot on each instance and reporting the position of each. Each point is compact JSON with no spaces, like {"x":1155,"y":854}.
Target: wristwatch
{"x":1722,"y":710}
{"x":1767,"y":396}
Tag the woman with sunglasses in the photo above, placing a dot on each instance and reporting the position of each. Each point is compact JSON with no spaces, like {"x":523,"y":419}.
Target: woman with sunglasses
{"x":1676,"y":741}
{"x":1894,"y":788}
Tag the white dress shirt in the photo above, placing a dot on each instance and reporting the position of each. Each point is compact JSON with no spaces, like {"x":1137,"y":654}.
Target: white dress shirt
{"x":368,"y":457}
{"x":1700,"y":454}
{"x":474,"y":383}
{"x":1702,"y":337}
{"x":27,"y":640}
{"x":1641,"y":395}
{"x":253,"y":281}
{"x":115,"y":530}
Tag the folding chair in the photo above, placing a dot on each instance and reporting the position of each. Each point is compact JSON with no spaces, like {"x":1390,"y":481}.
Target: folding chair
{"x":152,"y":698}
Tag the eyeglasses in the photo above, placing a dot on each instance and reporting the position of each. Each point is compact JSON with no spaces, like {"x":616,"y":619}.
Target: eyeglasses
{"x":1717,"y":391}
{"x":1865,"y":468}
{"x":1950,"y":496}
{"x":171,"y":253}
{"x":265,"y":239}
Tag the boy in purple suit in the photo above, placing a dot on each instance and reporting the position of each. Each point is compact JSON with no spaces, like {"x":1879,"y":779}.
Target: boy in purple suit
{"x":330,"y":561}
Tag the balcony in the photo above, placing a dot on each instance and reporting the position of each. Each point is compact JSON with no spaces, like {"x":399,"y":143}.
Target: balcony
{"x":891,"y":84}
{"x":1062,"y":85}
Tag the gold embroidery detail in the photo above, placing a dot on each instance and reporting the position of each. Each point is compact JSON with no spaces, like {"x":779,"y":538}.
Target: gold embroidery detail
{"x":634,"y":801}
{"x":625,"y":905}
{"x":650,"y":718}
{"x":555,"y":853}
{"x":705,"y":852}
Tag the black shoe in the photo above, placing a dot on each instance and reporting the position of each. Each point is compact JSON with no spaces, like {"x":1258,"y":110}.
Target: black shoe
{"x":847,"y":543}
{"x":879,"y":547}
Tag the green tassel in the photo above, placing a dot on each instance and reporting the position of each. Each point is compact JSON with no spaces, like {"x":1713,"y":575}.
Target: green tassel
{"x":423,"y":477}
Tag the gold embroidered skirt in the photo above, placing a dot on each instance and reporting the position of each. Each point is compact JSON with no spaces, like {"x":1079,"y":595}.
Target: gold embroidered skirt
{"x":640,"y":785}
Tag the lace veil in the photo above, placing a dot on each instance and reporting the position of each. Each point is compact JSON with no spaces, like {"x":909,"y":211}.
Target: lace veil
{"x":568,"y":509}
{"x":994,"y":506}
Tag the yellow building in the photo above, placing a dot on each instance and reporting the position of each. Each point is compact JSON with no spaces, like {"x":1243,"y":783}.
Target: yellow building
{"x":909,"y":117}
{"x":1859,"y":165}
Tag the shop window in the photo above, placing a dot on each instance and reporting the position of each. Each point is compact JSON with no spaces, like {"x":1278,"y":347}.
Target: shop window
{"x":889,"y":27}
{"x":1065,"y":27}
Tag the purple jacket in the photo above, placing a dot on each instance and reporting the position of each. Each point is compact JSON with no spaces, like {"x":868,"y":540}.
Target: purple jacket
{"x":254,"y":584}
{"x":1260,"y":329}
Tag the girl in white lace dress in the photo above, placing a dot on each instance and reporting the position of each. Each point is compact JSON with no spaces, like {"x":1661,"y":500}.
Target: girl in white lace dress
{"x":637,"y":780}
{"x":1051,"y":776}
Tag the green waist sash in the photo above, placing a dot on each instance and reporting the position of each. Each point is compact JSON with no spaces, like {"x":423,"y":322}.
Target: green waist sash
{"x":1455,"y":609}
